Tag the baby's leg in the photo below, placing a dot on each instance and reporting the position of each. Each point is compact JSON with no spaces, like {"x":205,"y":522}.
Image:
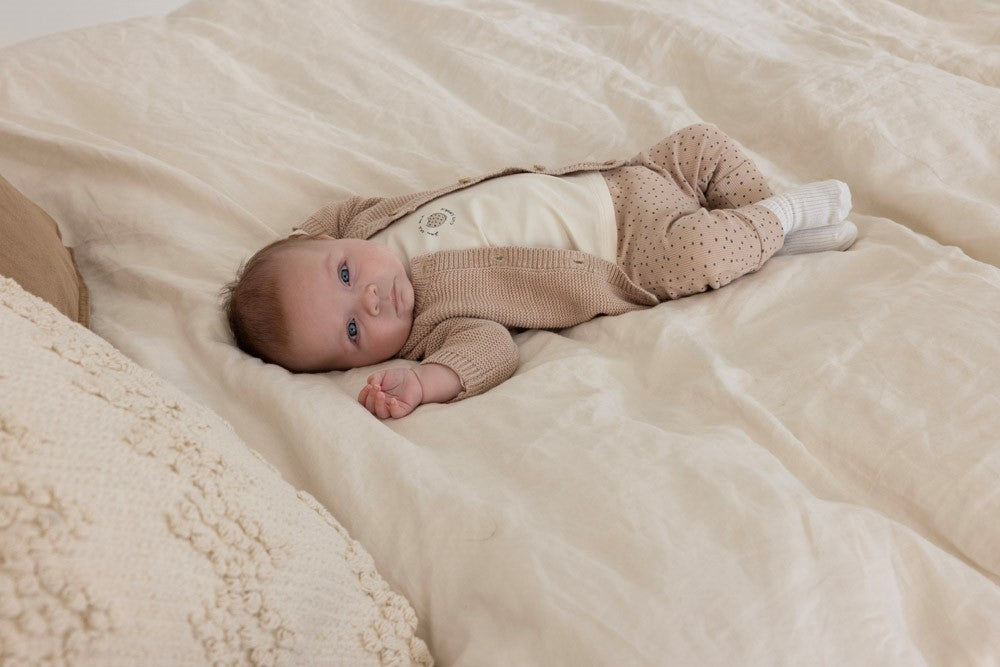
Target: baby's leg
{"x":705,"y":250}
{"x":669,"y":241}
{"x":708,"y":167}
{"x":695,"y":213}
{"x":673,"y":248}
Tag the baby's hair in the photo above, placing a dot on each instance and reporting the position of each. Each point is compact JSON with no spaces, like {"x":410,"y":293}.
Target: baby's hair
{"x":253,"y":305}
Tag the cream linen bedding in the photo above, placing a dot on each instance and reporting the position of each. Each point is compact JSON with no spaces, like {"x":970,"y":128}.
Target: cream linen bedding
{"x":801,"y":468}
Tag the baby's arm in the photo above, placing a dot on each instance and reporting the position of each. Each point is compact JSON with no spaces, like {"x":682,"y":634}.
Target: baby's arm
{"x":461,"y":357}
{"x":396,"y":392}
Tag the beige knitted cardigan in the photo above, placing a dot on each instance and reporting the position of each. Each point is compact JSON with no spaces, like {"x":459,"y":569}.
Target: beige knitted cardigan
{"x":466,"y":301}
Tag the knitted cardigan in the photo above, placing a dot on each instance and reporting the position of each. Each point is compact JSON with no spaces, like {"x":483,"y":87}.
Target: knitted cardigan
{"x":466,"y":301}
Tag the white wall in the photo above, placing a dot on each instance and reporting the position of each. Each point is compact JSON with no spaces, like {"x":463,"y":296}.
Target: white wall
{"x":24,"y":19}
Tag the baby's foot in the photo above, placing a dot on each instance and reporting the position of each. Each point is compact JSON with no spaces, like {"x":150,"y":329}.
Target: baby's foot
{"x":811,"y":205}
{"x":817,"y":239}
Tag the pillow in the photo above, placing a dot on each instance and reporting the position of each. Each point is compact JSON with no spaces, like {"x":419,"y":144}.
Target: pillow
{"x":32,"y":253}
{"x":136,"y":528}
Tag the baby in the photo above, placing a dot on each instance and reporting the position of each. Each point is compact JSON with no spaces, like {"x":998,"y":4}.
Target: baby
{"x":443,"y":276}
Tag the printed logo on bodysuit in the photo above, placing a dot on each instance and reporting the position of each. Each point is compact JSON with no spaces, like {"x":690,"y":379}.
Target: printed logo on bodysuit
{"x":433,"y":223}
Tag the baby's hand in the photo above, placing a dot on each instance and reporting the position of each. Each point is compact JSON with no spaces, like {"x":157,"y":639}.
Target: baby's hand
{"x":394,"y":392}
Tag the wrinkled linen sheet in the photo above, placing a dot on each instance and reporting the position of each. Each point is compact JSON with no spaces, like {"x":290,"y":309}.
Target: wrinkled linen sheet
{"x":801,"y":468}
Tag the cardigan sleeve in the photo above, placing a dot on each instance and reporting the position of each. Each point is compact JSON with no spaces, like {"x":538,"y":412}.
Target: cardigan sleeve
{"x":335,"y":219}
{"x":481,"y":352}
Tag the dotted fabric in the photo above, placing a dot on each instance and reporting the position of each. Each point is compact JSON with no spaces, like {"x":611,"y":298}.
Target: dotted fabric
{"x":686,"y":213}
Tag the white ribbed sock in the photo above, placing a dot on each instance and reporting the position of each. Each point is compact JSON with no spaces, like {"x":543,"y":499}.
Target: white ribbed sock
{"x":818,"y":239}
{"x":811,"y":205}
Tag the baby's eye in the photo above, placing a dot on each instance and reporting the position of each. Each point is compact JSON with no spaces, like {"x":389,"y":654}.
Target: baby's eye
{"x":352,"y":329}
{"x":345,"y":275}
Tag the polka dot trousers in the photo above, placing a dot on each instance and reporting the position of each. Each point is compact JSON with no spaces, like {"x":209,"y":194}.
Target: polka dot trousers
{"x":686,"y":215}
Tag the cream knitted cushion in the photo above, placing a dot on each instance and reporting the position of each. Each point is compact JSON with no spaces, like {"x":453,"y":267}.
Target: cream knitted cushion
{"x":137,"y":529}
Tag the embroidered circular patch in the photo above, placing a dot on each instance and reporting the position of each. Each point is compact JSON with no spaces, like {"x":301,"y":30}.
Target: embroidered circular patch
{"x":433,"y":222}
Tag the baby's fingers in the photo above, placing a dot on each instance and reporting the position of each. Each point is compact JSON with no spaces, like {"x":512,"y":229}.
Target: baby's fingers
{"x":375,"y":379}
{"x":382,"y":405}
{"x":398,"y":409}
{"x":367,"y":397}
{"x":370,"y":400}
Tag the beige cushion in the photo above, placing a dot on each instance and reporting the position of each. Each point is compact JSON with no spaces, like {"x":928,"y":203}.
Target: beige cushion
{"x":32,"y":253}
{"x":136,"y":528}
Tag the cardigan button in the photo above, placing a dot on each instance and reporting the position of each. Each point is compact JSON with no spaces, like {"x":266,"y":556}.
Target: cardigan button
{"x":464,"y":181}
{"x":539,"y":167}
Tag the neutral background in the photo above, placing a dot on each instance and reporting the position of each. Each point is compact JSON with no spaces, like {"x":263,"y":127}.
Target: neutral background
{"x":800,"y":468}
{"x":25,"y":19}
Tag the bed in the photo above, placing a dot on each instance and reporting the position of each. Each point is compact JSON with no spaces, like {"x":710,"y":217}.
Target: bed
{"x":800,"y":468}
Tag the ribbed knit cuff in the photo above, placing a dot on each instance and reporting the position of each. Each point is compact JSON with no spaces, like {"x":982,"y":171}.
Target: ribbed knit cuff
{"x":811,"y":205}
{"x":475,"y":379}
{"x":819,"y":239}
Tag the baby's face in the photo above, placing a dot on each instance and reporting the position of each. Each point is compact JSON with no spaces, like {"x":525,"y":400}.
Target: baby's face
{"x":348,"y":303}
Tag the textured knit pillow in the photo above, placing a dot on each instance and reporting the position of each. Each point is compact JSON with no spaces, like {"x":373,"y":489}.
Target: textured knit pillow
{"x":137,"y":529}
{"x":32,"y":253}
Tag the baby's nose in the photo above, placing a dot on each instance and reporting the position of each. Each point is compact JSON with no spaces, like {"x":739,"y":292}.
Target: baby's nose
{"x":372,"y":302}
